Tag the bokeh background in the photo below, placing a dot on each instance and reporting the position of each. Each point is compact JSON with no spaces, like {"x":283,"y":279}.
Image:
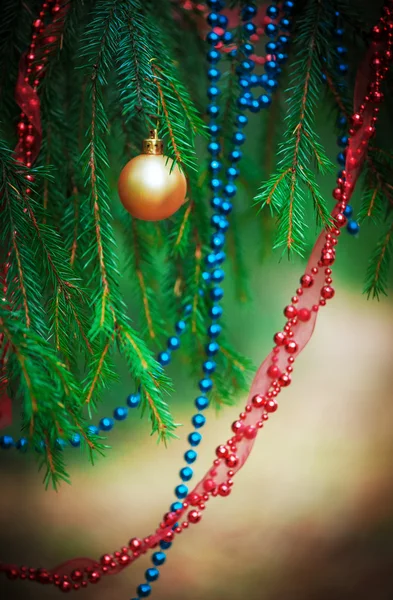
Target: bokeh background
{"x":310,"y":516}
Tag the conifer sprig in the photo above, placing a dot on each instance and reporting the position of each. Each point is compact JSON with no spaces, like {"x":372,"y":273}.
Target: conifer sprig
{"x":288,"y":188}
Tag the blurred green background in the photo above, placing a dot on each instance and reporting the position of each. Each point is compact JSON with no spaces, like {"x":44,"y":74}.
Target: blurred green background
{"x":311,"y":514}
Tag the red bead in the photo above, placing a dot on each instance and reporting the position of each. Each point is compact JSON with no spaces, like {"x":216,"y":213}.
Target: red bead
{"x":194,"y":516}
{"x":124,"y":559}
{"x":12,"y":573}
{"x":291,"y":347}
{"x":357,"y":120}
{"x":77,"y":574}
{"x":43,"y":576}
{"x":37,"y":23}
{"x":135,"y":544}
{"x":209,"y":485}
{"x":258,"y":401}
{"x":327,"y":292}
{"x":271,"y":406}
{"x":65,"y":586}
{"x":232,"y":461}
{"x":29,"y":140}
{"x":273,"y":371}
{"x":306,"y":281}
{"x":250,"y":432}
{"x":222,"y":451}
{"x":237,"y":426}
{"x":304,"y":314}
{"x":170,"y":519}
{"x":94,"y":577}
{"x":280,"y":338}
{"x":337,"y":193}
{"x":290,"y":311}
{"x":224,"y":489}
{"x":284,"y":380}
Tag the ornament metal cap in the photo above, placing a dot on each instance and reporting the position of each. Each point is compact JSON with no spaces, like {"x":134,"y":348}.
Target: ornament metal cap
{"x":152,"y":145}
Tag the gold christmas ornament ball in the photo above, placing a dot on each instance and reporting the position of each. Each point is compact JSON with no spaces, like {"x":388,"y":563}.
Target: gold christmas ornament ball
{"x":149,"y":190}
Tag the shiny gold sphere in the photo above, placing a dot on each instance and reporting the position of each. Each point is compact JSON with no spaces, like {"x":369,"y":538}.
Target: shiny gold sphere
{"x":149,"y":190}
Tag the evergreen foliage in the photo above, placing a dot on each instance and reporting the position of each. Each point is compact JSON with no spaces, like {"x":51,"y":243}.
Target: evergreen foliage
{"x":124,"y":67}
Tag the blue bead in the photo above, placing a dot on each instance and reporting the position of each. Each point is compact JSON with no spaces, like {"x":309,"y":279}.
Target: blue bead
{"x":215,"y":4}
{"x":264,"y":79}
{"x":23,"y":444}
{"x":194,"y":438}
{"x":143,"y":590}
{"x":272,"y":11}
{"x":218,"y":275}
{"x":230,"y":190}
{"x":288,"y":5}
{"x":213,"y":56}
{"x":93,"y":430}
{"x":209,"y":366}
{"x":215,"y":184}
{"x":173,"y":342}
{"x":61,"y":444}
{"x":159,"y":558}
{"x":176,"y":506}
{"x":248,"y":12}
{"x":238,"y":138}
{"x":181,"y":492}
{"x":281,"y":57}
{"x":217,"y":241}
{"x":216,"y":202}
{"x":227,"y":37}
{"x":75,"y":441}
{"x":205,"y":385}
{"x":341,"y":159}
{"x":210,"y":260}
{"x":254,"y":106}
{"x":270,"y":67}
{"x":201,"y":402}
{"x":271,"y":84}
{"x":348,"y":211}
{"x":285,"y":23}
{"x":232,"y":173}
{"x":247,"y":49}
{"x":212,"y":348}
{"x":215,"y":165}
{"x":271,"y":30}
{"x":214,"y":148}
{"x":188,"y":309}
{"x":353,"y":227}
{"x":249,"y":28}
{"x":220,"y":257}
{"x":133,"y":400}
{"x":213,"y":110}
{"x":232,"y":53}
{"x":198,"y":420}
{"x":244,"y":83}
{"x":164,"y":358}
{"x":226,"y":207}
{"x":6,"y":442}
{"x":342,"y":121}
{"x":213,"y":91}
{"x":106,"y":424}
{"x":120,"y":413}
{"x":214,"y":330}
{"x":212,"y":18}
{"x":223,"y":21}
{"x":215,"y":220}
{"x":246,"y":66}
{"x":213,"y":129}
{"x":216,"y":293}
{"x":235,"y":155}
{"x":342,"y":140}
{"x":283,"y":40}
{"x":265,"y":100}
{"x":339,"y":32}
{"x":342,"y":68}
{"x":213,"y":74}
{"x":180,"y":326}
{"x":186,"y":473}
{"x":341,"y":50}
{"x":242,"y":103}
{"x":224,"y":226}
{"x":190,"y":456}
{"x":152,"y":574}
{"x":215,"y":311}
{"x":165,"y":545}
{"x":271,"y":47}
{"x":212,"y":38}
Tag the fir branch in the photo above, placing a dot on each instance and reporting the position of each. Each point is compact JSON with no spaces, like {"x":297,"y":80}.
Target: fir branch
{"x":379,"y":264}
{"x":285,"y":190}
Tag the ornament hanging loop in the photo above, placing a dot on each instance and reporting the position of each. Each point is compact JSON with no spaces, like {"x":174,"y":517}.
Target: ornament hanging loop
{"x":153,"y":145}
